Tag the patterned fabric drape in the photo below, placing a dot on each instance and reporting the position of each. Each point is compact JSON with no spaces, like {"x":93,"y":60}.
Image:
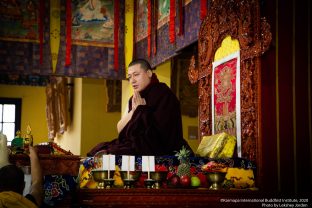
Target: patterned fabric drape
{"x":155,"y":21}
{"x":55,"y":28}
{"x":116,"y":35}
{"x":181,"y":18}
{"x":165,"y":49}
{"x":21,"y":48}
{"x":172,"y":14}
{"x":68,"y":32}
{"x":149,"y":26}
{"x":77,"y":55}
{"x":93,"y":59}
{"x":40,"y":29}
{"x":134,"y":27}
{"x":203,"y":9}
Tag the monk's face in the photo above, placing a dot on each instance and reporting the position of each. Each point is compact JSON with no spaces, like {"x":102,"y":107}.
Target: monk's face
{"x":139,"y":78}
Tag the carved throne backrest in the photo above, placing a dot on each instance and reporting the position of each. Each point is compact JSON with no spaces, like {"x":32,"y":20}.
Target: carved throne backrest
{"x":239,"y":19}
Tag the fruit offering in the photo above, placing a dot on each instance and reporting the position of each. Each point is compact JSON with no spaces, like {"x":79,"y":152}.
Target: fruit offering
{"x":195,"y":181}
{"x":184,"y":166}
{"x":160,"y":168}
{"x":185,"y":181}
{"x":213,"y":166}
{"x":174,"y":181}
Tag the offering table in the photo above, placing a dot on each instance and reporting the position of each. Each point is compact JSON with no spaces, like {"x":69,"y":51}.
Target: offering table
{"x":167,"y":197}
{"x":60,"y":173}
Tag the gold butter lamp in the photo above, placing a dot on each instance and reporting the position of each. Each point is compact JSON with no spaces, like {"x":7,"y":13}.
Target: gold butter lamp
{"x":108,"y":183}
{"x":216,"y":180}
{"x":101,"y":176}
{"x":129,"y":178}
{"x":148,"y":183}
{"x":158,"y":177}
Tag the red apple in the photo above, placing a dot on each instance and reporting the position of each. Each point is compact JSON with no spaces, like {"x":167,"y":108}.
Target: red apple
{"x":185,"y":181}
{"x":174,"y":181}
{"x":203,"y":179}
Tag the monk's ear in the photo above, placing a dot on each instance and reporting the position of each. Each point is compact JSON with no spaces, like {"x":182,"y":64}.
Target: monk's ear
{"x":149,"y":73}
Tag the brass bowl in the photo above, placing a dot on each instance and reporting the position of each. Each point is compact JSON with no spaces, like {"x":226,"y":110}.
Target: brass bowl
{"x":130,"y":179}
{"x":216,"y":179}
{"x":159,"y":177}
{"x":101,"y":176}
{"x":108,"y":183}
{"x":149,"y":183}
{"x":133,"y":175}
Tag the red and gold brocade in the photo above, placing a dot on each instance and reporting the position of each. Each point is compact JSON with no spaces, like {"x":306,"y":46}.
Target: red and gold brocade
{"x":225,"y":97}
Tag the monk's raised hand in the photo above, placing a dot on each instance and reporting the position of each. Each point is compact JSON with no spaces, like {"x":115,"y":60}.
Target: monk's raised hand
{"x":137,"y":100}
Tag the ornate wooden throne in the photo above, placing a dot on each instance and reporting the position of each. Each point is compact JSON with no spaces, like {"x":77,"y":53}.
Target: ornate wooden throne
{"x":239,"y":19}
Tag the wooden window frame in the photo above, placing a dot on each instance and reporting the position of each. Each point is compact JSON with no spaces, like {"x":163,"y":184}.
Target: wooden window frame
{"x":18,"y":111}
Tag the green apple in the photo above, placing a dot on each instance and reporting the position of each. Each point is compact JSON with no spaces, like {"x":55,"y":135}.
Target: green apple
{"x":195,"y":181}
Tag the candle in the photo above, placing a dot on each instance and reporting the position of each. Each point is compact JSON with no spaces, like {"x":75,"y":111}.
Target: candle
{"x":108,"y":167}
{"x":128,"y":169}
{"x":148,"y":168}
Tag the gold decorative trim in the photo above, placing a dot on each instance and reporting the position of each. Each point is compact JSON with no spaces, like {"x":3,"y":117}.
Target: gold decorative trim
{"x":86,"y":43}
{"x":20,"y":40}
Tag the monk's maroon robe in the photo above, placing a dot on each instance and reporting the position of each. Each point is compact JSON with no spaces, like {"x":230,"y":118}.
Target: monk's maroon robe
{"x":154,"y":129}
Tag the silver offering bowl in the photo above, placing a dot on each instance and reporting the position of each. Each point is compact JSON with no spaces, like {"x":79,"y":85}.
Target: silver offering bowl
{"x":101,"y":176}
{"x":159,"y":177}
{"x":216,"y":179}
{"x":129,"y":179}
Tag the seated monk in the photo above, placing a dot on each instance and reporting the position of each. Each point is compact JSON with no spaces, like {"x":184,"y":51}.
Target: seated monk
{"x":153,"y":124}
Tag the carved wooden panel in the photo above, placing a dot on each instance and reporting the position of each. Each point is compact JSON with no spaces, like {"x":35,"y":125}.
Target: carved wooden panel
{"x":51,"y":164}
{"x":241,"y":20}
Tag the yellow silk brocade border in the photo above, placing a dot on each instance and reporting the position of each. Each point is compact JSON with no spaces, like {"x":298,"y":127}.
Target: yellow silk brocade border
{"x":55,"y":27}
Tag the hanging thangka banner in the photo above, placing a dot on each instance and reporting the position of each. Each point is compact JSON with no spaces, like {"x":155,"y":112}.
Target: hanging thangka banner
{"x":141,"y":20}
{"x":24,"y":37}
{"x":163,"y":12}
{"x":19,"y":21}
{"x":93,"y":23}
{"x":93,"y":39}
{"x":226,"y":115}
